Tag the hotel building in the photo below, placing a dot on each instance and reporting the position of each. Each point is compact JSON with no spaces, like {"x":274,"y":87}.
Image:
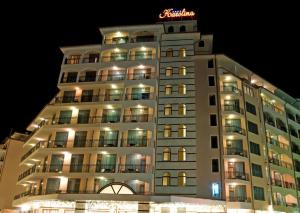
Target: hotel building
{"x":151,"y":120}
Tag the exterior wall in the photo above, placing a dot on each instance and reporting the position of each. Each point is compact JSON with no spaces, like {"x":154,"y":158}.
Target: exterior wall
{"x":9,"y":174}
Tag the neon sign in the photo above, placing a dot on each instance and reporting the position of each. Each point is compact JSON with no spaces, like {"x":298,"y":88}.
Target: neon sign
{"x":171,"y":13}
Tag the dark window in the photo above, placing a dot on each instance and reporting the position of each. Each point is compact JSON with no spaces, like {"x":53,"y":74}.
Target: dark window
{"x":214,"y":142}
{"x":258,"y":193}
{"x":213,"y":120}
{"x":254,"y":148}
{"x":170,"y":29}
{"x":250,"y":108}
{"x":210,"y":63}
{"x":182,"y":28}
{"x":252,"y":127}
{"x":211,"y":80}
{"x":212,"y":100}
{"x":201,"y":43}
{"x":215,"y":165}
{"x":256,"y":170}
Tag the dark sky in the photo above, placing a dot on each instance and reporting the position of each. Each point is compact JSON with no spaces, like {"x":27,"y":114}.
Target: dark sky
{"x":261,"y":37}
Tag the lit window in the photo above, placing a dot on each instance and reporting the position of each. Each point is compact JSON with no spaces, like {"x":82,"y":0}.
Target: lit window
{"x":182,"y":109}
{"x":167,"y":131}
{"x":181,"y":179}
{"x":166,"y":154}
{"x":168,"y":109}
{"x":166,"y":179}
{"x":182,"y":89}
{"x":182,"y":130}
{"x":169,"y":52}
{"x":169,"y":71}
{"x":215,"y":188}
{"x":182,"y":70}
{"x":181,"y":154}
{"x":182,"y":52}
{"x":168,"y":89}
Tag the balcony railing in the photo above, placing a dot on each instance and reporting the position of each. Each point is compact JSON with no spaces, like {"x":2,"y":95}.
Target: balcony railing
{"x":237,"y":175}
{"x":233,"y":108}
{"x":281,"y":163}
{"x":141,"y":76}
{"x":87,"y":98}
{"x":38,"y":145}
{"x":86,"y":168}
{"x":85,"y":120}
{"x":138,"y":118}
{"x":235,"y":151}
{"x":231,"y":89}
{"x":139,"y":96}
{"x":285,"y":184}
{"x":277,"y":143}
{"x":243,"y":199}
{"x":235,"y":129}
{"x":125,"y":57}
{"x":90,"y":60}
{"x":273,"y":107}
{"x":123,"y":40}
{"x":125,"y":142}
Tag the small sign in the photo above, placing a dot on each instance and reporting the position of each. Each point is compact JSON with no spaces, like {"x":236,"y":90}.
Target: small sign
{"x":171,"y":13}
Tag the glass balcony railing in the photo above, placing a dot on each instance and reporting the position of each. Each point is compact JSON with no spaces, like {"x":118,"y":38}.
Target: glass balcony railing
{"x":86,"y":120}
{"x":124,"y":40}
{"x":243,"y":199}
{"x":233,"y":108}
{"x":125,"y":142}
{"x":284,"y":184}
{"x":281,"y":163}
{"x":277,"y":143}
{"x":139,"y":96}
{"x":234,"y":129}
{"x":138,"y":118}
{"x":235,"y":151}
{"x":236,"y":175}
{"x":230,"y":89}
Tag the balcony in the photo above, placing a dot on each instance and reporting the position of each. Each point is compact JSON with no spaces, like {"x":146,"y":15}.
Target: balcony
{"x":230,"y":89}
{"x":86,"y":98}
{"x":117,"y":57}
{"x":85,"y":120}
{"x":273,"y":107}
{"x":142,"y":56}
{"x":139,"y":96}
{"x":233,"y":108}
{"x":284,"y":184}
{"x":131,"y":142}
{"x":138,"y":118}
{"x":235,"y":151}
{"x":243,"y":199}
{"x":37,"y":146}
{"x":281,"y":163}
{"x":277,"y":143}
{"x":134,"y":168}
{"x":236,"y":175}
{"x":93,"y":58}
{"x":108,"y":143}
{"x":126,"y":39}
{"x":141,"y":75}
{"x":235,"y":129}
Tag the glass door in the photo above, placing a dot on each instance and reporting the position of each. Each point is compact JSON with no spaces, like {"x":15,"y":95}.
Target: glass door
{"x":52,"y":185}
{"x":69,"y":97}
{"x":80,"y":138}
{"x":56,"y":164}
{"x":83,"y":116}
{"x":76,"y":163}
{"x":61,"y":139}
{"x":65,"y":117}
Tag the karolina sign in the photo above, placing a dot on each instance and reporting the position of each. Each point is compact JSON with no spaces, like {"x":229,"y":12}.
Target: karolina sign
{"x":171,"y":13}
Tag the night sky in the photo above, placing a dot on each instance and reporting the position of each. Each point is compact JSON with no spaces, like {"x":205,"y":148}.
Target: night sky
{"x":263,"y":38}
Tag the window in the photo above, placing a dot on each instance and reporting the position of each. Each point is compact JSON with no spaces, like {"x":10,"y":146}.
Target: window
{"x":182,"y":70}
{"x":212,"y":100}
{"x":254,"y":148}
{"x":211,"y":81}
{"x":182,"y":52}
{"x":170,"y":29}
{"x":182,"y":109}
{"x":182,"y":28}
{"x":181,"y":179}
{"x":169,"y":52}
{"x":256,"y":170}
{"x":52,"y":185}
{"x":215,"y":165}
{"x":182,"y":130}
{"x":214,"y":142}
{"x":166,"y":179}
{"x":72,"y":59}
{"x":73,"y":185}
{"x":167,"y":131}
{"x":168,"y":109}
{"x":258,"y":193}
{"x":201,"y":43}
{"x":166,"y":154}
{"x":210,"y":63}
{"x":83,"y":116}
{"x":182,"y":89}
{"x":181,"y":154}
{"x":213,"y":120}
{"x":215,"y":188}
{"x":252,"y":127}
{"x":169,"y":71}
{"x":250,"y":108}
{"x":168,"y":89}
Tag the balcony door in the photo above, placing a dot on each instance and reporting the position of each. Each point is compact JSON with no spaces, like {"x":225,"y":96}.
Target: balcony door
{"x":57,"y":162}
{"x":76,"y":163}
{"x":140,"y":93}
{"x":111,"y":115}
{"x":234,"y":146}
{"x":109,"y":138}
{"x":83,"y":116}
{"x":61,"y":139}
{"x":87,"y":96}
{"x":236,"y":169}
{"x":65,"y":117}
{"x":237,"y":193}
{"x":137,"y":138}
{"x":73,"y":185}
{"x":52,"y":185}
{"x":69,"y":96}
{"x":106,"y":163}
{"x":80,"y":138}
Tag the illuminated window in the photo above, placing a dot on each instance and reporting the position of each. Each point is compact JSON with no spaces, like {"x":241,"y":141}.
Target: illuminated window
{"x":182,"y":52}
{"x":73,"y":59}
{"x":182,"y":109}
{"x":182,"y":130}
{"x":168,"y":89}
{"x":182,"y":89}
{"x":166,"y":154}
{"x":182,"y":70}
{"x":181,"y":154}
{"x":169,"y":71}
{"x":169,"y":52}
{"x":167,"y":131}
{"x":181,"y":179}
{"x":215,"y":188}
{"x":166,"y":179}
{"x":168,"y":109}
